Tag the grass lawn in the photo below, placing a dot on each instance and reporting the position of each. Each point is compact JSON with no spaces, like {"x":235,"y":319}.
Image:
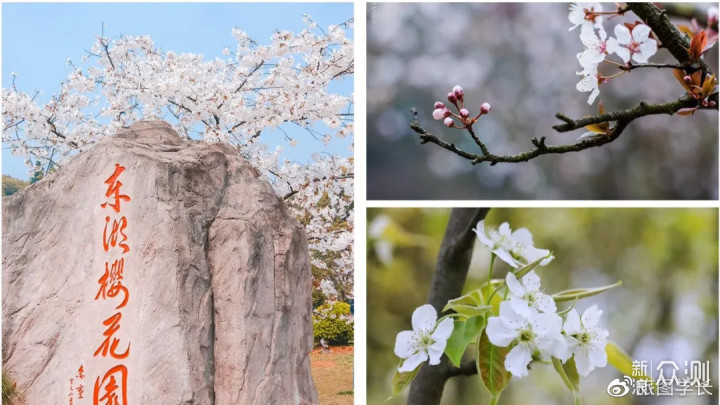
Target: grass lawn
{"x":333,"y":375}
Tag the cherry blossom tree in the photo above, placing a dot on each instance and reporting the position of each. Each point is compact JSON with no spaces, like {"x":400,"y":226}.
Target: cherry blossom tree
{"x":633,"y":45}
{"x":258,"y":87}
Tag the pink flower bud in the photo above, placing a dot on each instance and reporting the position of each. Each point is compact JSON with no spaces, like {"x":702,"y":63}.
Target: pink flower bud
{"x":712,"y":104}
{"x":459,"y":93}
{"x":439,"y":104}
{"x":464,"y":113}
{"x":485,"y":108}
{"x":705,"y":103}
{"x":449,"y":122}
{"x":439,"y":113}
{"x":687,"y":79}
{"x":452,"y":98}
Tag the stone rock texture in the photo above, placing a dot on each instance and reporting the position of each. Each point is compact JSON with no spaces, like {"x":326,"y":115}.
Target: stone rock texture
{"x":219,"y":308}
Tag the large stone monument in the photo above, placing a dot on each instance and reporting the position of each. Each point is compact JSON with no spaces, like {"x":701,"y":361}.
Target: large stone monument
{"x":155,"y":270}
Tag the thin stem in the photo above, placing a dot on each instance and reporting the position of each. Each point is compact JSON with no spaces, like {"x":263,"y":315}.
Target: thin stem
{"x":492,"y":262}
{"x":494,"y":399}
{"x":477,"y":140}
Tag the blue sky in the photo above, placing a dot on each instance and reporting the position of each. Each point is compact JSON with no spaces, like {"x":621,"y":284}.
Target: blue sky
{"x":37,"y":39}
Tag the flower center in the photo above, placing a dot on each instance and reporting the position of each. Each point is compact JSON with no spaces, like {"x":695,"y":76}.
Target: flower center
{"x":526,"y":336}
{"x":634,"y":47}
{"x":585,"y":337}
{"x":426,"y":340}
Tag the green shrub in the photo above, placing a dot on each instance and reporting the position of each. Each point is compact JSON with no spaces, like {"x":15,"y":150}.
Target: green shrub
{"x":333,"y":322}
{"x":10,"y":391}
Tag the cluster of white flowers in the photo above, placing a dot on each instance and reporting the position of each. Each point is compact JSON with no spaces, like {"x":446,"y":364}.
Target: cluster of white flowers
{"x":634,"y":44}
{"x":528,"y":318}
{"x":514,"y":248}
{"x":260,"y":87}
{"x":528,"y":321}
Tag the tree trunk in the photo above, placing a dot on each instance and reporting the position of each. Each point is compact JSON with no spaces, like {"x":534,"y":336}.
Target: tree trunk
{"x":450,"y":272}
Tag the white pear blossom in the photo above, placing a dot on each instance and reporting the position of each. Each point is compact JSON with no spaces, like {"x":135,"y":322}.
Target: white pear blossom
{"x":426,"y":341}
{"x":514,"y":248}
{"x":527,"y":295}
{"x":636,"y":43}
{"x":581,"y":15}
{"x":586,"y":339}
{"x":589,"y":83}
{"x":532,"y":333}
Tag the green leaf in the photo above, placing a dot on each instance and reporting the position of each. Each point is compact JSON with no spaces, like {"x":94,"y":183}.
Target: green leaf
{"x":491,"y":365}
{"x":571,"y":378}
{"x":496,"y":298}
{"x":577,"y":293}
{"x":469,"y":305}
{"x":402,"y":380}
{"x":526,"y":269}
{"x":464,"y":332}
{"x":623,"y":362}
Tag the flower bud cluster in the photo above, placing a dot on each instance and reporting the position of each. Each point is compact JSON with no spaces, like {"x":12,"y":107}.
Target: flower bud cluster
{"x":462,"y":119}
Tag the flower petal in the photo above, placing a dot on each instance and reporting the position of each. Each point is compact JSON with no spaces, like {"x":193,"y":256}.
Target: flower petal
{"x":520,"y":306}
{"x":593,"y":96}
{"x":523,"y":237}
{"x":531,"y":281}
{"x":498,"y":334}
{"x":572,"y":323}
{"x":545,"y":303}
{"x":406,"y":344}
{"x":514,"y":285}
{"x":623,"y":35}
{"x":480,"y":231}
{"x":505,"y":230}
{"x":598,"y":357}
{"x":443,"y":330}
{"x":640,"y":33}
{"x":435,"y":352}
{"x":591,"y":317}
{"x":582,"y":362}
{"x":623,"y":53}
{"x":517,"y":360}
{"x":424,"y":318}
{"x":413,"y":362}
{"x":506,"y":257}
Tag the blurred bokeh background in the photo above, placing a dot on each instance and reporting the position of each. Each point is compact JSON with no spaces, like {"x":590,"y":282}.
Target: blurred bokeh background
{"x":666,"y":308}
{"x":521,"y":59}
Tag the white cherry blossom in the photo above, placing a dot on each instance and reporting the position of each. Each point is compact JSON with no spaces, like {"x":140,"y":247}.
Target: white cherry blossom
{"x":532,"y":333}
{"x":586,"y":339}
{"x":514,"y":248}
{"x":260,"y":87}
{"x":425,"y":342}
{"x":527,"y":295}
{"x":597,"y":46}
{"x":589,"y":83}
{"x":581,"y":15}
{"x":636,"y":43}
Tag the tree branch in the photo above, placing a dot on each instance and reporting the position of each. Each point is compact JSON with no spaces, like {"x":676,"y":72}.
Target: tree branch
{"x":622,"y":119}
{"x":450,"y":272}
{"x":672,"y":39}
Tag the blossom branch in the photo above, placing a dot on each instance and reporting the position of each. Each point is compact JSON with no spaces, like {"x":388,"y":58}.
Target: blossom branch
{"x":448,"y":280}
{"x":622,"y":119}
{"x":672,"y":39}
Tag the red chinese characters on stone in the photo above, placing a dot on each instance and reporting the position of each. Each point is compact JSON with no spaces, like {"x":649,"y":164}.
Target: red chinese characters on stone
{"x":112,"y":389}
{"x":110,"y":343}
{"x":117,"y":229}
{"x":111,"y":283}
{"x":113,"y":189}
